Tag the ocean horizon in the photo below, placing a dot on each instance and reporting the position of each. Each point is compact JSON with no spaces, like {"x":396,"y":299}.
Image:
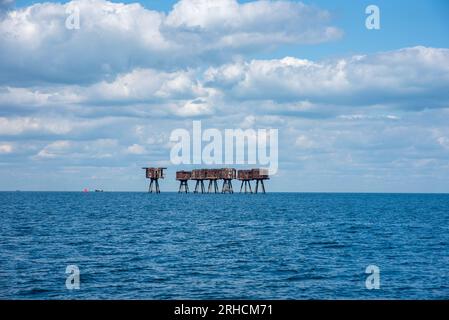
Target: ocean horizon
{"x":235,"y":192}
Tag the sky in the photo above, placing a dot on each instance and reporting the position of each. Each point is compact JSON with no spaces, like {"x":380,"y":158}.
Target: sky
{"x":357,"y":110}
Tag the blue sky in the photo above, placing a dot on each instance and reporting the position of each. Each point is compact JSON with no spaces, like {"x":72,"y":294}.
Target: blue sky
{"x":356,"y":109}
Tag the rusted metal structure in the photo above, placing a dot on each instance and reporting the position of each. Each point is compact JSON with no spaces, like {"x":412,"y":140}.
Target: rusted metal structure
{"x":245,"y":176}
{"x":213,"y":175}
{"x":183,"y":177}
{"x":154,"y":174}
{"x":227,"y":174}
{"x":199,"y":175}
{"x":260,"y":175}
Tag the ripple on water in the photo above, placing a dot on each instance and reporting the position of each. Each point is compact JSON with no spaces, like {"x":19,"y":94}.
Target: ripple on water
{"x":274,"y":246}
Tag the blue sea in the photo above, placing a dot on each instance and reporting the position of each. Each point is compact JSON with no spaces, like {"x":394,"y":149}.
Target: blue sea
{"x":221,"y":246}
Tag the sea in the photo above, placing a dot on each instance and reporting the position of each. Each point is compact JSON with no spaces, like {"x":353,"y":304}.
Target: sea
{"x":223,"y":246}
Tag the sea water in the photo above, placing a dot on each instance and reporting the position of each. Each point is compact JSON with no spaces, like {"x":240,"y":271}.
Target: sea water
{"x":223,"y":246}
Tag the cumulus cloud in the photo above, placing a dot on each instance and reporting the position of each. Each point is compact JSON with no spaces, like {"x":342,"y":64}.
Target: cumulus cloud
{"x":139,"y":93}
{"x":117,"y":38}
{"x":100,"y":102}
{"x":146,"y":85}
{"x":37,"y":46}
{"x":226,"y":23}
{"x":411,"y":77}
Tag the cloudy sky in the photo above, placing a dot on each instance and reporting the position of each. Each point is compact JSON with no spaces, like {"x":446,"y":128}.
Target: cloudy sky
{"x":356,"y":109}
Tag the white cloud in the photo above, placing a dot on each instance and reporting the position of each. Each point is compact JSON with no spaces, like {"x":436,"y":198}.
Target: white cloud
{"x":193,"y":108}
{"x":70,"y":150}
{"x":136,"y":149}
{"x":45,"y":126}
{"x":101,"y":95}
{"x":177,"y":93}
{"x":146,"y":85}
{"x":411,"y":76}
{"x":42,"y":96}
{"x":5,"y":148}
{"x":248,"y":122}
{"x":16,"y":126}
{"x":36,"y":42}
{"x":230,"y":24}
{"x":304,"y":142}
{"x":369,"y":117}
{"x":444,"y":142}
{"x":54,"y":149}
{"x":117,"y":38}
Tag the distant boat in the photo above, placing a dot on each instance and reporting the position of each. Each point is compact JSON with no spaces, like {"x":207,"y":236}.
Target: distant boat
{"x":98,"y":190}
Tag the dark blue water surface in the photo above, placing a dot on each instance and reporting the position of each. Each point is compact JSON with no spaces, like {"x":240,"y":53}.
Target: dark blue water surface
{"x":273,"y":246}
